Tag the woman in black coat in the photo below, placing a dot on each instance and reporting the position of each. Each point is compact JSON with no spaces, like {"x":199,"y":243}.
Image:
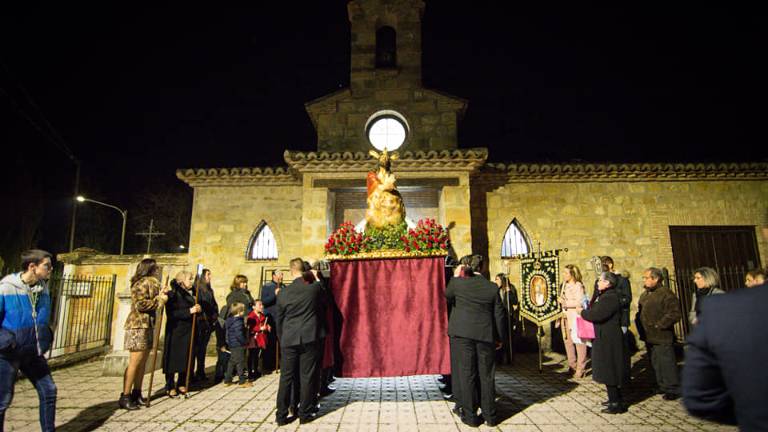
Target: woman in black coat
{"x":610,"y":356}
{"x":206,"y":323}
{"x":178,"y":330}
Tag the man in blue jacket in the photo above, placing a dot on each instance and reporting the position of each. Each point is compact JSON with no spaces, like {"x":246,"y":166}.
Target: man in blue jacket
{"x":25,"y":308}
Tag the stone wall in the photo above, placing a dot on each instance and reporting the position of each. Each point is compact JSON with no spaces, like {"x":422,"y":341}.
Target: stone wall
{"x":627,"y":220}
{"x":92,"y":263}
{"x":224,"y":219}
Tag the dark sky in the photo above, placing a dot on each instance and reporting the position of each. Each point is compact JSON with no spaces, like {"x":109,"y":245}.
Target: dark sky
{"x":138,"y":93}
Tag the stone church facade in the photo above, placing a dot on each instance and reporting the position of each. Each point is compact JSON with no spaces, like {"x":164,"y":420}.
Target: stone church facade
{"x":622,"y":210}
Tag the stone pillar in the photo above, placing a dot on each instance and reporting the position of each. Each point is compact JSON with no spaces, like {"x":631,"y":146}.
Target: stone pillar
{"x":116,"y":361}
{"x":455,"y":214}
{"x":314,"y":219}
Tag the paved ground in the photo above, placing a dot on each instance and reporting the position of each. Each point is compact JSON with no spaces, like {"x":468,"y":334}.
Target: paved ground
{"x":529,"y":401}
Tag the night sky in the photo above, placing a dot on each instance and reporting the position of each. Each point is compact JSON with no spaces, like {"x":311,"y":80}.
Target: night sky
{"x":138,"y":93}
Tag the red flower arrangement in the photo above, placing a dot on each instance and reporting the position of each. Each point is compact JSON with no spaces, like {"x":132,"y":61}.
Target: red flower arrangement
{"x":346,"y":241}
{"x":428,"y":236}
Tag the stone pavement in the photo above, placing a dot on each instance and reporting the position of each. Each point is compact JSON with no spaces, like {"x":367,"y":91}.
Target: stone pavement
{"x":529,"y":401}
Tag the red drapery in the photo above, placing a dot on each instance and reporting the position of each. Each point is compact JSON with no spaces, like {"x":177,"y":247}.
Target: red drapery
{"x":394,"y":318}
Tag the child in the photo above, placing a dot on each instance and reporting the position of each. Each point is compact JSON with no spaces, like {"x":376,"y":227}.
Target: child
{"x":257,"y":340}
{"x":236,"y":340}
{"x":221,"y":347}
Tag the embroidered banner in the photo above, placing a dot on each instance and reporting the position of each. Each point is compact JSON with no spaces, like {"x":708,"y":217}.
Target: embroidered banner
{"x":540,"y":274}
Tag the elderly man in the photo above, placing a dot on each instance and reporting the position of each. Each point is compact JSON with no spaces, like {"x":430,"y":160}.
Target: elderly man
{"x":659,"y":311}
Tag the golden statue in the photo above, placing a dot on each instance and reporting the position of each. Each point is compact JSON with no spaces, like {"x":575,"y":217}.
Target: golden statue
{"x":385,"y":204}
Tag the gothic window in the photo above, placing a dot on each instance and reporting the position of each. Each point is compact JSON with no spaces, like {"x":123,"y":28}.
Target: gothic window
{"x":262,"y":245}
{"x":386,"y":47}
{"x":515,"y":241}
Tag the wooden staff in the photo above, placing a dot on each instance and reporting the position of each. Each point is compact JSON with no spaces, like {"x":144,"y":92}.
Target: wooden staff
{"x":156,"y":341}
{"x":509,"y":321}
{"x":196,"y":284}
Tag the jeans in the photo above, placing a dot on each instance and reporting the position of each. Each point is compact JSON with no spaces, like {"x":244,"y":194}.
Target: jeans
{"x":36,"y":370}
{"x":236,"y":364}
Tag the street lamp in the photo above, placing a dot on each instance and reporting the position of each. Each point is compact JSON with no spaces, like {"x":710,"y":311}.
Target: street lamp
{"x":123,"y":213}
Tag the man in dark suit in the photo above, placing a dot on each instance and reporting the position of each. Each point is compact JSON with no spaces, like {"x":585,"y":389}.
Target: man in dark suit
{"x":724,"y":377}
{"x":300,"y":333}
{"x":476,"y":327}
{"x":269,"y":298}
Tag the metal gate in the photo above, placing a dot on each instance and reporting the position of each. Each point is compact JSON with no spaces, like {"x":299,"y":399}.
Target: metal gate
{"x":81,"y":315}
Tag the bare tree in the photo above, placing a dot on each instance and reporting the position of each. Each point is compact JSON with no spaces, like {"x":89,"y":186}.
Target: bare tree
{"x":169,"y":205}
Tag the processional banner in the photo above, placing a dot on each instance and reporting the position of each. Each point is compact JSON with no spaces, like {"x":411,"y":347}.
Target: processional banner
{"x":540,"y":279}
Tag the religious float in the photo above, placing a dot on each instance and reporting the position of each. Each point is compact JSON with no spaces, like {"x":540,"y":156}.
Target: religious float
{"x":388,"y":284}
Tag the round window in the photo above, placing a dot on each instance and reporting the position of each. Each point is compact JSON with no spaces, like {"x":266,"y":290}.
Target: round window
{"x":386,"y":132}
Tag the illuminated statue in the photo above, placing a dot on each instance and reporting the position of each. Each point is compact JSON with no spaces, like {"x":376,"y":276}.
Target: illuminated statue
{"x":385,"y":204}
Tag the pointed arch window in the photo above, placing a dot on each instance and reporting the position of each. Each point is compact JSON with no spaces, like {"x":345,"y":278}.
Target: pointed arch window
{"x":262,"y":245}
{"x":515,"y":241}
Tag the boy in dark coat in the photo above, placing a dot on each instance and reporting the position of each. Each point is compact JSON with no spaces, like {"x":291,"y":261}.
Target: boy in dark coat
{"x":236,"y":340}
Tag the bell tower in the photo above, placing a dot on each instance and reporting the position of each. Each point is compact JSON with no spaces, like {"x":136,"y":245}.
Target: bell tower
{"x":385,"y":99}
{"x":386,"y":43}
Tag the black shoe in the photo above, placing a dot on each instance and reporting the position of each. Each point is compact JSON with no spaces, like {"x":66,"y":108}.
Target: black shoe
{"x":614,"y":408}
{"x":670,"y":396}
{"x":126,"y":403}
{"x":325,"y":391}
{"x":472,"y":420}
{"x":137,"y":399}
{"x":448,"y":396}
{"x":492,"y":423}
{"x":282,"y":421}
{"x":457,"y":410}
{"x":307,"y":418}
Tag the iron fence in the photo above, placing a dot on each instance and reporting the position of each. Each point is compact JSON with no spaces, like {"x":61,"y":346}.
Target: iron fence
{"x":681,"y":282}
{"x":81,"y":312}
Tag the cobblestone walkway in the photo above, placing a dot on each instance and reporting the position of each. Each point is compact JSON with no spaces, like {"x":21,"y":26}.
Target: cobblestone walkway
{"x":529,"y":401}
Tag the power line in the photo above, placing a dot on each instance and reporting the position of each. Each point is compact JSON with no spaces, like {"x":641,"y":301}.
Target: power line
{"x":51,"y":133}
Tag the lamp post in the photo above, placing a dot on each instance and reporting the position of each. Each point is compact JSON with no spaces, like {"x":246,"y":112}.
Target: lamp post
{"x":123,"y":213}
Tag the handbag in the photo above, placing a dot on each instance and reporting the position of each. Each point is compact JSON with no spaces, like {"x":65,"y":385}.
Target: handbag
{"x":584,"y":328}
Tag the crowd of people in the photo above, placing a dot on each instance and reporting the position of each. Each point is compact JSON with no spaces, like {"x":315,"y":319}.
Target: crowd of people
{"x":716,"y":383}
{"x":248,"y":331}
{"x":721,"y":379}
